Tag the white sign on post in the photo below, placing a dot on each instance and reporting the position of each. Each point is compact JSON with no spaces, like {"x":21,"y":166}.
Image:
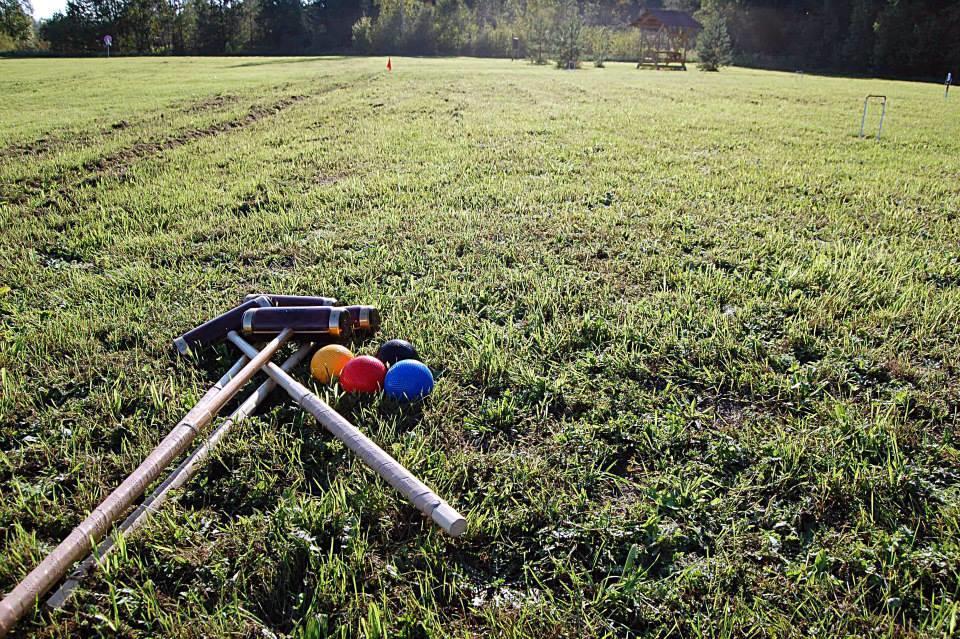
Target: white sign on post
{"x":946,"y":90}
{"x":107,"y":41}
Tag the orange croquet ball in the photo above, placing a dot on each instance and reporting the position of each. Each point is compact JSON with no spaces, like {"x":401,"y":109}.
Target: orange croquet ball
{"x":328,"y":362}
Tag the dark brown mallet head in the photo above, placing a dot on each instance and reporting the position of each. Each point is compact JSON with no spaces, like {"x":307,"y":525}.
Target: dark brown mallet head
{"x":217,"y":328}
{"x":306,"y":321}
{"x":365,"y":318}
{"x":294,"y":300}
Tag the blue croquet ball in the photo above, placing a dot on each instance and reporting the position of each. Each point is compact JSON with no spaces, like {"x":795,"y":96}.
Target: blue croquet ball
{"x":395,"y":350}
{"x":408,"y":380}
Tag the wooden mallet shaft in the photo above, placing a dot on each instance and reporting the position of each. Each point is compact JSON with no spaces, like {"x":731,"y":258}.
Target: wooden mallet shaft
{"x":80,"y":541}
{"x":176,"y":479}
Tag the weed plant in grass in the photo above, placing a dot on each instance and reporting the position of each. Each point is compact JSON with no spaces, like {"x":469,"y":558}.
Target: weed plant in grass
{"x":696,"y":344}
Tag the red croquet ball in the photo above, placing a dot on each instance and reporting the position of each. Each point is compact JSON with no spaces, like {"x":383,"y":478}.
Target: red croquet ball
{"x":363,"y":374}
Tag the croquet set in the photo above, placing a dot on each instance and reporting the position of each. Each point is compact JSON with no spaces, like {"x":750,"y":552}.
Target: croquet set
{"x":318,"y":324}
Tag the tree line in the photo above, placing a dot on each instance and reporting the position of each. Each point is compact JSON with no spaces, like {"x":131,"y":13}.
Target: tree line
{"x":892,"y":37}
{"x":913,"y":38}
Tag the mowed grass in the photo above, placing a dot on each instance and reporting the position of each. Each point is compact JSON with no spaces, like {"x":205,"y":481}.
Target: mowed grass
{"x":697,"y":345}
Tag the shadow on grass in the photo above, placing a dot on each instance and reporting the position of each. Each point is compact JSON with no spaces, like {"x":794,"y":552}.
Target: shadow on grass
{"x":261,"y":63}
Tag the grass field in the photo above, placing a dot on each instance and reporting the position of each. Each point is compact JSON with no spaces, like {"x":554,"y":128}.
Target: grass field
{"x":697,"y":345}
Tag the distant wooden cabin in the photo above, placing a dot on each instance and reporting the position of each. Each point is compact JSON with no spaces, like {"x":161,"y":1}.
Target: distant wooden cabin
{"x":665,"y":36}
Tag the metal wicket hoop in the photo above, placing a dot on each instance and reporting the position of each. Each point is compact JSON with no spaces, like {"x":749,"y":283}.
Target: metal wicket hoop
{"x":883,"y":112}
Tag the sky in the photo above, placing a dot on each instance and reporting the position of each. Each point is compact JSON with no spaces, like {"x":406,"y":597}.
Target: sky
{"x":46,"y":8}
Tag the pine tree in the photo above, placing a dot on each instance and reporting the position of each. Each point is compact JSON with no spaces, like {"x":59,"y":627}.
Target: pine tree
{"x":713,"y":44}
{"x":212,"y":31}
{"x":566,"y":34}
{"x":858,"y":45}
{"x":536,"y":23}
{"x":281,"y":25}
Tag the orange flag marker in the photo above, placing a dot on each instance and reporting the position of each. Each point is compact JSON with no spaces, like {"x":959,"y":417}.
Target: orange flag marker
{"x":389,"y":64}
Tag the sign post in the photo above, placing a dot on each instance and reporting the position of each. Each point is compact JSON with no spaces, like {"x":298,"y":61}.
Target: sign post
{"x":946,"y":85}
{"x":107,"y":41}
